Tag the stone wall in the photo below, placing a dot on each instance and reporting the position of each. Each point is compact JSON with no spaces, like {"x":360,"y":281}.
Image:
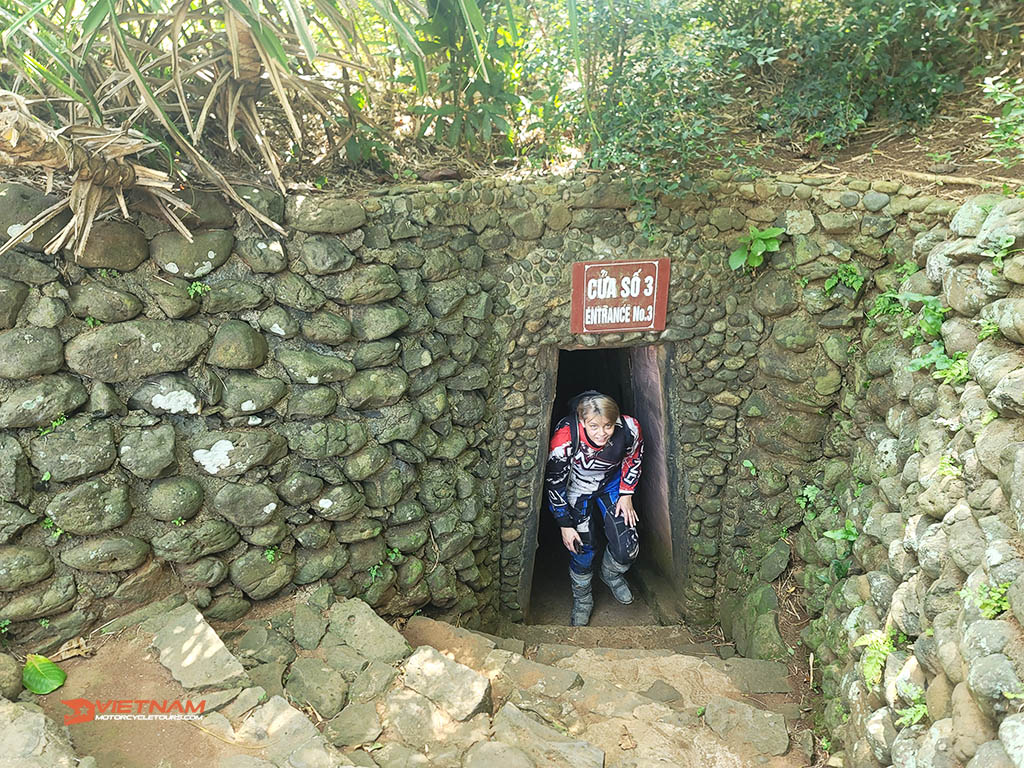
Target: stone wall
{"x":933,"y":502}
{"x":366,"y":398}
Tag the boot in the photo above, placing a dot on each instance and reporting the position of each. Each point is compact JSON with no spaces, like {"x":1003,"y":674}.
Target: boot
{"x":582,"y":598}
{"x":611,"y":574}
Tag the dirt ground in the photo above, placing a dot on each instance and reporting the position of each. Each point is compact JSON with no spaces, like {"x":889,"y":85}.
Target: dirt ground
{"x":123,"y":667}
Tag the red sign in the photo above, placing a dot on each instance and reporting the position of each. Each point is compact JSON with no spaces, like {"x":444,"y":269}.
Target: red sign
{"x":619,"y":295}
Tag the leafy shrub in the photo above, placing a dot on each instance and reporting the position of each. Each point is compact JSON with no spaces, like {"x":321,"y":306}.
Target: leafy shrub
{"x":929,"y":321}
{"x":887,"y":304}
{"x":956,"y":372}
{"x":948,"y":370}
{"x":847,"y":533}
{"x":865,"y":58}
{"x":915,"y":713}
{"x":1007,"y":134}
{"x":754,"y":246}
{"x":991,"y":600}
{"x":474,"y":95}
{"x":807,"y":496}
{"x":877,"y":647}
{"x":845,"y":274}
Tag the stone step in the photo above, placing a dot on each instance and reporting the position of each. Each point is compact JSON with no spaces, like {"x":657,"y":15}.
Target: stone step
{"x":674,"y":638}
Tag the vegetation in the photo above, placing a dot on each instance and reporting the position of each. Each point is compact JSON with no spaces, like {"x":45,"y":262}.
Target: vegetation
{"x":847,"y":533}
{"x":145,"y":95}
{"x":848,"y":275}
{"x":948,"y":467}
{"x":196,"y":289}
{"x":988,"y":330}
{"x":998,"y":252}
{"x":877,"y":647}
{"x":949,"y":370}
{"x":807,"y":496}
{"x":54,"y":424}
{"x":51,"y":527}
{"x":753,"y":247}
{"x":990,"y":599}
{"x":40,"y":675}
{"x":916,"y":712}
{"x":1007,"y":134}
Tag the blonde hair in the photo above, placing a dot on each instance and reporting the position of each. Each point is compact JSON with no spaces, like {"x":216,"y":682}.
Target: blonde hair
{"x":602,"y":405}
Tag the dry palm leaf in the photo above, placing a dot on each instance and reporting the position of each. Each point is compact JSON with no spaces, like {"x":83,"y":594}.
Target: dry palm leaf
{"x":96,"y":161}
{"x":75,"y":647}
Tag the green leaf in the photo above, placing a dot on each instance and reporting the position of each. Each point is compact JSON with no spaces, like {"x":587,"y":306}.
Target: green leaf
{"x":25,"y":19}
{"x":97,"y":15}
{"x":301,"y":27}
{"x":476,"y":30}
{"x":54,"y":50}
{"x":756,"y":259}
{"x":513,"y":27}
{"x":405,"y":33}
{"x":757,"y":248}
{"x":455,"y":131}
{"x":772,"y":232}
{"x":41,"y":675}
{"x":737,"y":259}
{"x":574,"y":32}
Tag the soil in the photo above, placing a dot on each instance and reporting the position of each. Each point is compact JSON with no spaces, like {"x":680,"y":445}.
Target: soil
{"x":793,"y":617}
{"x":951,"y":145}
{"x":123,"y":667}
{"x":950,"y":148}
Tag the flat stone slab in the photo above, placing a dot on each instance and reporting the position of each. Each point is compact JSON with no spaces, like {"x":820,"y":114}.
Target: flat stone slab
{"x":604,"y":699}
{"x":755,"y":675}
{"x":414,"y":720}
{"x":673,"y":638}
{"x":244,"y":761}
{"x":544,"y":745}
{"x":356,"y":625}
{"x":245,"y":702}
{"x":454,"y":687}
{"x":356,"y":724}
{"x":488,"y":754}
{"x":510,"y":671}
{"x":469,"y":648}
{"x":736,"y":722}
{"x":151,"y":616}
{"x":194,"y":654}
{"x":29,"y":739}
{"x":287,"y":737}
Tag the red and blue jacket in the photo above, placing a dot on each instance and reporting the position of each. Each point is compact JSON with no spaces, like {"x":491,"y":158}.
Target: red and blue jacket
{"x":572,"y":476}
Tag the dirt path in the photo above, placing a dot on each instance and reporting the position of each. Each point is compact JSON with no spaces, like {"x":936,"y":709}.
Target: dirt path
{"x":123,"y":667}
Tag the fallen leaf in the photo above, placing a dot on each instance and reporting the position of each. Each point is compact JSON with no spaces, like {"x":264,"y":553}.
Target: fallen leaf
{"x":626,"y":741}
{"x":72,"y":648}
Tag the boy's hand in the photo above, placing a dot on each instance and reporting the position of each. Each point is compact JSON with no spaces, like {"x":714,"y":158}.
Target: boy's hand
{"x":572,"y":540}
{"x":624,"y":507}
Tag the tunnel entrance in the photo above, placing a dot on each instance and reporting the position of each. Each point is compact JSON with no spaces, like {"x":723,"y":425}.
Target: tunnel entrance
{"x":634,"y":378}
